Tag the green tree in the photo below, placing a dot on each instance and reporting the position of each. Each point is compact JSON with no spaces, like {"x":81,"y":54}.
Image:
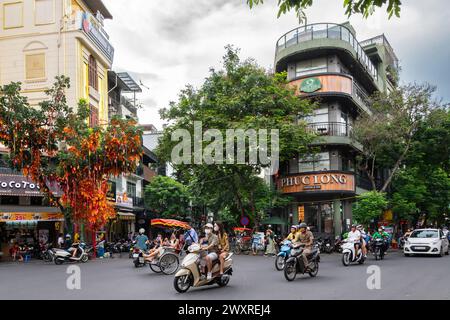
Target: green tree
{"x":388,"y":132}
{"x":369,"y":206}
{"x":364,"y":7}
{"x":167,"y":198}
{"x":240,"y":96}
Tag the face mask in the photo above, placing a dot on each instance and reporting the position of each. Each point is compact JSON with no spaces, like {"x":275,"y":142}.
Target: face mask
{"x":207,"y":231}
{"x":216,"y":228}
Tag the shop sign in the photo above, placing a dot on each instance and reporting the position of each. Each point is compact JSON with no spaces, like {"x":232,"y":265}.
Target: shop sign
{"x":17,"y":185}
{"x":30,"y":216}
{"x":123,"y":200}
{"x":310,"y":85}
{"x":320,"y":182}
{"x":111,"y":193}
{"x":95,"y":32}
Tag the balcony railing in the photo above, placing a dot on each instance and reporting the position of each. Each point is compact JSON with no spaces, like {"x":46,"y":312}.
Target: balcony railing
{"x":336,"y":129}
{"x":327,"y":31}
{"x":381,"y":39}
{"x":138,"y":202}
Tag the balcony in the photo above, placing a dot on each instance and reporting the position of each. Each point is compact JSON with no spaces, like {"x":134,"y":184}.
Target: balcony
{"x":305,"y":42}
{"x":381,"y":39}
{"x":337,"y":129}
{"x":335,"y":83}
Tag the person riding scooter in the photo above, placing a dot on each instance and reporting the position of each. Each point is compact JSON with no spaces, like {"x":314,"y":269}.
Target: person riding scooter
{"x":381,"y":234}
{"x":211,"y":247}
{"x":304,"y":238}
{"x":364,"y":241}
{"x":355,"y":236}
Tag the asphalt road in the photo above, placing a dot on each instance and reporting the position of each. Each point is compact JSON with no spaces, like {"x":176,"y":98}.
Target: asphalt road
{"x":254,"y":278}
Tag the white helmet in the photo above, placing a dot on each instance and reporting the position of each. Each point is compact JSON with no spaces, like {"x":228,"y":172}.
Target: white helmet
{"x":141,"y":230}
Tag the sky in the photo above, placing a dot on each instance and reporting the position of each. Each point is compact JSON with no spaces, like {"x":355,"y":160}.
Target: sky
{"x":167,"y":44}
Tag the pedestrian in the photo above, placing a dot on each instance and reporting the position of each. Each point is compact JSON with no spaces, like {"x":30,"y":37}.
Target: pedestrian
{"x":60,"y":242}
{"x":270,"y":248}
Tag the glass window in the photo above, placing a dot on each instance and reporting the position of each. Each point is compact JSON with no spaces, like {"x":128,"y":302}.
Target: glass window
{"x":311,"y":66}
{"x":93,"y":117}
{"x":93,"y":75}
{"x":44,"y":12}
{"x":319,"y":116}
{"x":316,"y":162}
{"x":131,"y":189}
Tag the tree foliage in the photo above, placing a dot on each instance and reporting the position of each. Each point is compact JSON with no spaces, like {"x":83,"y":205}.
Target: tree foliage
{"x":364,"y":7}
{"x":369,"y":206}
{"x":240,"y":96}
{"x":167,"y":198}
{"x":387,"y":134}
{"x":54,"y":145}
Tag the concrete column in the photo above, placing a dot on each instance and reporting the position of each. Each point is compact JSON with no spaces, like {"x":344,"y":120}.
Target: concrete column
{"x":348,"y":212}
{"x":337,"y":218}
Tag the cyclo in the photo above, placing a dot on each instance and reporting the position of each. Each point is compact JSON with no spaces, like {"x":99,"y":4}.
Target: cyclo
{"x":243,"y":242}
{"x":168,"y":259}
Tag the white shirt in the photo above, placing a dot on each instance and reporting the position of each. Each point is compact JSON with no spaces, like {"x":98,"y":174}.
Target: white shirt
{"x":354,"y":236}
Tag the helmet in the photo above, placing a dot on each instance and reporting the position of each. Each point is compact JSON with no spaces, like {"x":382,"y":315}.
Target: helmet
{"x":302,"y":225}
{"x":382,"y":228}
{"x":141,"y":230}
{"x":68,"y":236}
{"x":359,"y":226}
{"x":209,"y":225}
{"x":294,"y":226}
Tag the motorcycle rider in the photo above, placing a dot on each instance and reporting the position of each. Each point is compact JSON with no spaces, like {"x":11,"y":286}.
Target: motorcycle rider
{"x":211,"y":247}
{"x":381,"y":234}
{"x":360,"y":228}
{"x":291,"y":235}
{"x":142,"y":240}
{"x":355,"y":236}
{"x":305,"y":238}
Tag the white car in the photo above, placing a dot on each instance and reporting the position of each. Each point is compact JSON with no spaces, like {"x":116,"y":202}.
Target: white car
{"x":426,"y":241}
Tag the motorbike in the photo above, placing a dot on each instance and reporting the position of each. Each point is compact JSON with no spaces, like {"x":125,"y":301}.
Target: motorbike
{"x":294,"y":264}
{"x":349,"y":255}
{"x":285,"y":252}
{"x":326,"y":246}
{"x":138,"y":258}
{"x":378,"y":248}
{"x":190,"y":274}
{"x":338,"y":244}
{"x":61,"y":255}
{"x":45,"y":252}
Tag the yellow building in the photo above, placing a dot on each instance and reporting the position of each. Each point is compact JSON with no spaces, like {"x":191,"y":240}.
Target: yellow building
{"x":40,"y":39}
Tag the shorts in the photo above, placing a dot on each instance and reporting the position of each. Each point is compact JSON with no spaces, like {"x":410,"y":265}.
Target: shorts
{"x":213,"y":256}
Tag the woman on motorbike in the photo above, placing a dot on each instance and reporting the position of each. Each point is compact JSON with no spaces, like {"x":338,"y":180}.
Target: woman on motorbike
{"x":224,"y":245}
{"x":291,"y":235}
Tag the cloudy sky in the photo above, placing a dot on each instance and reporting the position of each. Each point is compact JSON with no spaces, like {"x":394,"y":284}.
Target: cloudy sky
{"x":167,"y":44}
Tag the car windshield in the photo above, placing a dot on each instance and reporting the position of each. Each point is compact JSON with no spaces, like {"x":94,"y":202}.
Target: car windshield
{"x":425,"y":234}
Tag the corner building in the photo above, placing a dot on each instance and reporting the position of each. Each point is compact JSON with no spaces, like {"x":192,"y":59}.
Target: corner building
{"x":325,"y":62}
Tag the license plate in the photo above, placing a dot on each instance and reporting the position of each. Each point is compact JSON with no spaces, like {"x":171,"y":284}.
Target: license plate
{"x":420,"y":248}
{"x":135,"y":255}
{"x":141,"y":260}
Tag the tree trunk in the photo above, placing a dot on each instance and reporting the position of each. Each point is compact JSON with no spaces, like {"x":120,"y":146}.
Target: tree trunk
{"x":394,"y":170}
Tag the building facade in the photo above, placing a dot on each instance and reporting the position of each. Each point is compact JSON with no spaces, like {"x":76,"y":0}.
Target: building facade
{"x":39,"y":40}
{"x":325,"y":62}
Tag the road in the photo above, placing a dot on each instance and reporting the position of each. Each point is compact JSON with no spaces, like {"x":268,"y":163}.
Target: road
{"x":254,"y":278}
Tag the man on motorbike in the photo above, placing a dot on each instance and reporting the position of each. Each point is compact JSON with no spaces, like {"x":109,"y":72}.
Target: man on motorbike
{"x":381,"y":234}
{"x":291,"y":235}
{"x":142,"y":240}
{"x":211,"y":247}
{"x":304,"y":238}
{"x":355,"y":236}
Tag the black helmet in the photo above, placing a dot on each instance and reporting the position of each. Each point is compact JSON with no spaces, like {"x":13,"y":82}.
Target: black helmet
{"x":302,"y":225}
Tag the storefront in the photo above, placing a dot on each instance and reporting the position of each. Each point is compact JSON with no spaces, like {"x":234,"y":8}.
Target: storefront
{"x":322,"y":200}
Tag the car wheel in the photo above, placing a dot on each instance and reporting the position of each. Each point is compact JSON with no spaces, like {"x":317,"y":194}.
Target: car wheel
{"x":407,"y":254}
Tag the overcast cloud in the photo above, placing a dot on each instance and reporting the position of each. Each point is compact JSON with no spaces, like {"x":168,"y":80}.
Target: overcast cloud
{"x":167,"y":44}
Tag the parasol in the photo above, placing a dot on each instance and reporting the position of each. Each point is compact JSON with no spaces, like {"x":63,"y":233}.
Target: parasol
{"x":169,"y":223}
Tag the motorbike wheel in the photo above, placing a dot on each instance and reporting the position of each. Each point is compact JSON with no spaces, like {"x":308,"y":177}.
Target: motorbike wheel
{"x":346,"y":259}
{"x":376,"y":253}
{"x":315,"y":271}
{"x":237,"y":250}
{"x":46,"y":257}
{"x":169,"y":263}
{"x":85,"y":258}
{"x":182,"y":283}
{"x":137,"y":264}
{"x":59,"y":261}
{"x":290,"y":270}
{"x":155,"y":267}
{"x":223,"y":281}
{"x":279,"y":263}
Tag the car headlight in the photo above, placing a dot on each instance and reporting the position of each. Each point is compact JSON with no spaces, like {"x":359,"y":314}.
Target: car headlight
{"x":407,"y":242}
{"x":435,"y":242}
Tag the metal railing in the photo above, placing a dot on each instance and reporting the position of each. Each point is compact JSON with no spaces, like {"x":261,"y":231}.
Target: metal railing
{"x":138,"y":202}
{"x":381,"y":39}
{"x":359,"y":94}
{"x":336,"y":129}
{"x":327,"y":31}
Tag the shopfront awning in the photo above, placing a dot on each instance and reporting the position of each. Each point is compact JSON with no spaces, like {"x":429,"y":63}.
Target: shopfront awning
{"x":126,"y":216}
{"x":274,"y":221}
